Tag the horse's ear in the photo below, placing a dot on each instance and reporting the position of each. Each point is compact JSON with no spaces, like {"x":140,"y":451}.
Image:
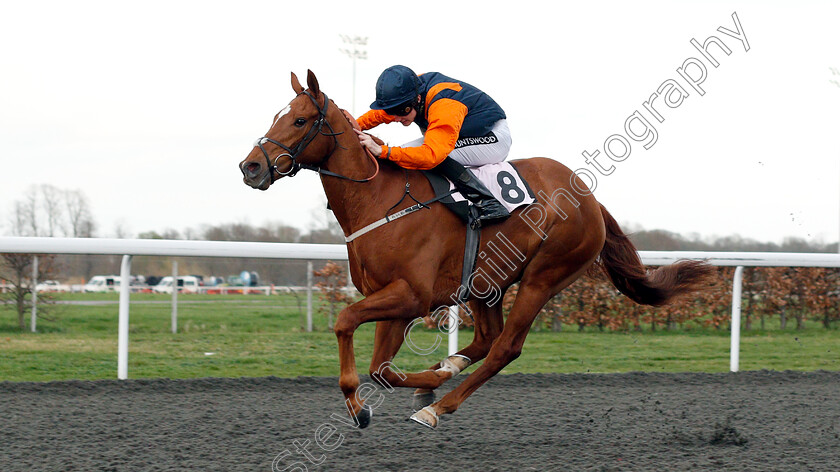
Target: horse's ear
{"x":313,"y":83}
{"x":296,"y":84}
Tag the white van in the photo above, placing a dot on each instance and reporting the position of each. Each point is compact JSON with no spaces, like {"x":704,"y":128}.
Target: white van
{"x":103,"y":283}
{"x":186,"y":284}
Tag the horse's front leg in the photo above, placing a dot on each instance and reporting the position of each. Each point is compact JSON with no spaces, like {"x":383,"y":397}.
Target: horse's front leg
{"x":394,"y":301}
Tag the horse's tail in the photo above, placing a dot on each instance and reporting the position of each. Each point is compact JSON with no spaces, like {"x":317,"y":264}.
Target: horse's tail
{"x":621,"y":263}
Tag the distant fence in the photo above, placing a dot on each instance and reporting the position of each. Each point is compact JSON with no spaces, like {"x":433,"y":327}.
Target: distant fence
{"x":129,"y":248}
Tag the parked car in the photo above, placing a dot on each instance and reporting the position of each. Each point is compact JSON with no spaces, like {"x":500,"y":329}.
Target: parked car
{"x":245,"y":278}
{"x":52,"y":286}
{"x":186,"y":284}
{"x":213,"y":281}
{"x":103,"y":283}
{"x":153,"y":280}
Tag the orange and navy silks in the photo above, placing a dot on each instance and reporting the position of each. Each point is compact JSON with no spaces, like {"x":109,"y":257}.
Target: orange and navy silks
{"x":452,"y":110}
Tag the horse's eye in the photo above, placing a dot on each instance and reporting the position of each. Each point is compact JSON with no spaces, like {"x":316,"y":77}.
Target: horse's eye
{"x":300,"y":122}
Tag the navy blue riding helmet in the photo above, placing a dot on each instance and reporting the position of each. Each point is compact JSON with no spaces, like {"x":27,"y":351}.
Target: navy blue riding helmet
{"x":396,"y":90}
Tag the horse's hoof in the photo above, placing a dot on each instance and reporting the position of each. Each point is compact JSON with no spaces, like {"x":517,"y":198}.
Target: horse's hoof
{"x":427,"y":417}
{"x":422,"y":398}
{"x":364,"y":415}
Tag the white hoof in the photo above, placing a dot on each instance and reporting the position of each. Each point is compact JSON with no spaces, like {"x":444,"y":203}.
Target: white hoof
{"x":427,"y":417}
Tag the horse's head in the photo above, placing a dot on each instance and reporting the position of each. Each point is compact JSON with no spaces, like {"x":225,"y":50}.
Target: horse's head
{"x":296,"y":138}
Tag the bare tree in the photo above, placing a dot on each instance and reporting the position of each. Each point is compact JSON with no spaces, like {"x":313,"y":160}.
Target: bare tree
{"x":79,"y":217}
{"x":51,"y":205}
{"x":18,"y":221}
{"x":44,"y":210}
{"x":29,"y":215}
{"x":16,"y":269}
{"x":37,"y":213}
{"x":332,"y":285}
{"x":47,"y":210}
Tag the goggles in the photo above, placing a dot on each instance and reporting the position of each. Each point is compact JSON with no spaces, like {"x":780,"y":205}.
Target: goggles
{"x":401,"y":110}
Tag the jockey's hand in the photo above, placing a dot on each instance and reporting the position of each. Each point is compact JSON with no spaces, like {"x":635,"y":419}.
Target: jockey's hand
{"x":369,"y":143}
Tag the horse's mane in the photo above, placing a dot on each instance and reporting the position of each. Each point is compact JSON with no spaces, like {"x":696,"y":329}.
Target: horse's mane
{"x":355,"y":124}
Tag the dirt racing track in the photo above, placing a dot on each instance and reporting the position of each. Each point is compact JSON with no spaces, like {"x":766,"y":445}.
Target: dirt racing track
{"x":762,"y":421}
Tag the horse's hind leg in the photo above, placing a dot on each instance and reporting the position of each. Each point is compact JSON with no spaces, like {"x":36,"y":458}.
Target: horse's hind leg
{"x":508,"y":346}
{"x":389,"y":337}
{"x":489,"y":322}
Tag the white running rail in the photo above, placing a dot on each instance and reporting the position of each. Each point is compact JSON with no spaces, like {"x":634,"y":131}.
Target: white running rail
{"x":129,"y":248}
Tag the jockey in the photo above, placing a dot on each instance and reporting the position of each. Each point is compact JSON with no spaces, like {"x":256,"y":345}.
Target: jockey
{"x":461,"y":126}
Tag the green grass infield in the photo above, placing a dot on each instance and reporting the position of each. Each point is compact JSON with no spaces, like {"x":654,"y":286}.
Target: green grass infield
{"x":257,"y":335}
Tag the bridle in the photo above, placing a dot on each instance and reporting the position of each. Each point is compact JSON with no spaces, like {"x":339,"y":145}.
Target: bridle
{"x":293,"y":152}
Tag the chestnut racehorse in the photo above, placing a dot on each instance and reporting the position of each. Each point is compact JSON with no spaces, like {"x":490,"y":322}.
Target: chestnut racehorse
{"x":407,"y":267}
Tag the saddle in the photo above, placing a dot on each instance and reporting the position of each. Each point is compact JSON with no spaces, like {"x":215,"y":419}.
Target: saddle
{"x":502,"y":179}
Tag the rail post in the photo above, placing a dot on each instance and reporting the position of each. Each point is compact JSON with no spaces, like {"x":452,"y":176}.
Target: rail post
{"x":735,"y":322}
{"x":454,"y":322}
{"x":309,"y":296}
{"x":34,"y":318}
{"x":122,"y":331}
{"x":174,"y":296}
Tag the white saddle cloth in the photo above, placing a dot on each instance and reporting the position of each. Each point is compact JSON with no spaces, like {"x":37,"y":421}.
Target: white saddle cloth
{"x":504,"y":182}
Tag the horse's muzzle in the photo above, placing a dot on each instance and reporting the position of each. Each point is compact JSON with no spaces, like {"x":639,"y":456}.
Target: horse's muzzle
{"x":255,"y":175}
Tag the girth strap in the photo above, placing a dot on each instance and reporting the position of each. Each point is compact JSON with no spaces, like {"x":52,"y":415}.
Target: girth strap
{"x":395,"y":216}
{"x":470,"y":252}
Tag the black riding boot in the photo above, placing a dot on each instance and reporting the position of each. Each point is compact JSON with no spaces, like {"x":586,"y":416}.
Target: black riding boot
{"x":490,"y":210}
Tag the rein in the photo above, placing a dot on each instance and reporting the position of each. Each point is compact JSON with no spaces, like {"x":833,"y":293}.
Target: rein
{"x":293,"y":153}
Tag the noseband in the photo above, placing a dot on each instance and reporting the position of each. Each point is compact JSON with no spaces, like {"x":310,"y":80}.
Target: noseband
{"x":293,"y":152}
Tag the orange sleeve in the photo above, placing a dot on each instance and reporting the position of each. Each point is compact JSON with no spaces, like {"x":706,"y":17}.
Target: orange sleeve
{"x":374,"y":118}
{"x":446,"y":116}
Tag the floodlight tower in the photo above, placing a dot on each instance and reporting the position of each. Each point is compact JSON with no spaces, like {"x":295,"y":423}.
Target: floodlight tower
{"x":356,"y":48}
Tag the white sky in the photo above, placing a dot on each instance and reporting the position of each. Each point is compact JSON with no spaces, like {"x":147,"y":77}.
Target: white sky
{"x":148,"y":107}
